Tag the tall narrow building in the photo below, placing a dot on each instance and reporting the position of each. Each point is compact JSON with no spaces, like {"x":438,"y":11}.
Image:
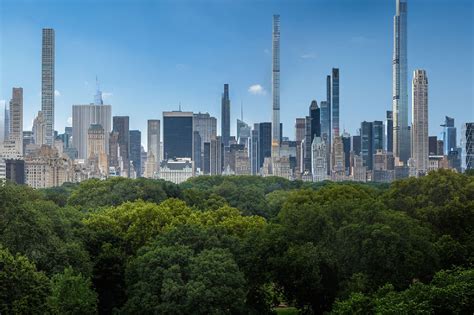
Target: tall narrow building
{"x":276,"y":81}
{"x":225,"y":116}
{"x":153,"y":141}
{"x":401,"y":135}
{"x":335,"y":102}
{"x":326,"y":112}
{"x":389,"y":131}
{"x":16,"y":119}
{"x":47,"y":83}
{"x":420,"y":148}
{"x":135,"y":137}
{"x":121,"y":126}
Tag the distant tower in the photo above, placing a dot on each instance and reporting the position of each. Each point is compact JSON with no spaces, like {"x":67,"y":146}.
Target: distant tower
{"x":16,"y":118}
{"x":420,"y":149}
{"x":225,"y":119}
{"x":47,"y":83}
{"x":276,"y":81}
{"x":335,"y":103}
{"x":401,"y":135}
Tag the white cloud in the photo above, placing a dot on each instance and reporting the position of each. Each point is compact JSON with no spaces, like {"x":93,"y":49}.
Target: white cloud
{"x":107,"y":95}
{"x":257,"y":89}
{"x":69,"y":121}
{"x":57,"y":93}
{"x":310,"y":55}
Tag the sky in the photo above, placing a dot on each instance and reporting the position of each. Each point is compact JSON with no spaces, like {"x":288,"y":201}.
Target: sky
{"x":152,"y":55}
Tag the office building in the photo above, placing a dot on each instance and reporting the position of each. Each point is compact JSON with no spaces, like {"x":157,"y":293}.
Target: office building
{"x":276,"y":135}
{"x":153,"y":142}
{"x":356,"y":145}
{"x":338,"y":170}
{"x":96,"y":151}
{"x":468,"y":145}
{"x":346,"y":144}
{"x":319,"y":156}
{"x":378,"y":136}
{"x":225,"y":116}
{"x":243,"y":132}
{"x":136,"y":151}
{"x":420,"y":148}
{"x":205,"y":128}
{"x":335,"y":103}
{"x":432,"y":145}
{"x":367,"y":149}
{"x":216,"y":149}
{"x":326,"y":115}
{"x":121,"y":126}
{"x":15,"y":171}
{"x":16,"y":119}
{"x":389,"y":131}
{"x":39,"y":129}
{"x":254,"y":150}
{"x":83,"y":116}
{"x":449,"y":135}
{"x":264,"y":142}
{"x":47,"y":83}
{"x":177,"y":135}
{"x":401,"y":135}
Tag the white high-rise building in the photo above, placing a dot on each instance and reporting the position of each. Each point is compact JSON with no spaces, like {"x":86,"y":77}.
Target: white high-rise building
{"x":420,"y":148}
{"x":16,"y":119}
{"x":47,"y":83}
{"x":39,"y":129}
{"x":153,"y":145}
{"x":401,"y":134}
{"x":83,"y":116}
{"x":319,"y":156}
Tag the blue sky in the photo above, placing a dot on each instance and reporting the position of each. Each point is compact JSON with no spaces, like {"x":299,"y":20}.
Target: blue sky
{"x":152,"y":55}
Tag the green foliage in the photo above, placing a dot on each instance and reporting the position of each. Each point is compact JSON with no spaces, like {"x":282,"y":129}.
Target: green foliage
{"x":94,"y":193}
{"x":72,"y":294}
{"x":450,"y":292}
{"x":239,"y":245}
{"x":23,"y":290}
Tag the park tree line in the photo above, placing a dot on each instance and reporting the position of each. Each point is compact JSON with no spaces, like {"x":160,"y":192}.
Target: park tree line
{"x":239,"y":245}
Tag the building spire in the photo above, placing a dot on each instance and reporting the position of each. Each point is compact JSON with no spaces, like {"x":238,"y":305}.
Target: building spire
{"x":98,"y":95}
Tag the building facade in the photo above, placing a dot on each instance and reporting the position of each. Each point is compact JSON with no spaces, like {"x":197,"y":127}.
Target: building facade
{"x":420,"y":147}
{"x":47,"y":82}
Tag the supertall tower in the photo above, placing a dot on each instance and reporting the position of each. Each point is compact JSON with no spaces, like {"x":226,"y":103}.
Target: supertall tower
{"x":420,"y":135}
{"x":276,"y":81}
{"x":401,"y":135}
{"x":225,"y":119}
{"x":47,"y":83}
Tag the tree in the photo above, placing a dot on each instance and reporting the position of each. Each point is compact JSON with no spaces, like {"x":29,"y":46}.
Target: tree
{"x":72,"y":294}
{"x":23,"y":290}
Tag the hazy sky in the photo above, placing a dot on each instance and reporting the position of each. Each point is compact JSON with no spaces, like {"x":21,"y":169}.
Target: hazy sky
{"x":152,"y":55}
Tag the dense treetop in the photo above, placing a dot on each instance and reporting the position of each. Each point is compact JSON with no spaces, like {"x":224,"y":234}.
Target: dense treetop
{"x":239,"y":245}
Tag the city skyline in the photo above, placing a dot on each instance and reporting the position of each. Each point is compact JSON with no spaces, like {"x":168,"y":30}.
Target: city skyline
{"x":260,"y":86}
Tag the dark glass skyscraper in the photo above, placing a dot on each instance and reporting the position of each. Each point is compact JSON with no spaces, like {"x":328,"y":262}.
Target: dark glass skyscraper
{"x":367,"y":148}
{"x":225,"y":116}
{"x":335,"y":102}
{"x":389,"y":130}
{"x":135,"y":151}
{"x":378,"y":134}
{"x":177,"y":135}
{"x":449,"y":135}
{"x":254,"y":151}
{"x":264,"y":142}
{"x":315,"y":116}
{"x":121,"y":126}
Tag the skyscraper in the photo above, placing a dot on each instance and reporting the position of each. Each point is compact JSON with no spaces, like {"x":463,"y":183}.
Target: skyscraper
{"x":401,"y":135}
{"x":276,"y":80}
{"x":327,"y":112}
{"x":389,"y":131}
{"x":254,"y":152}
{"x":420,"y":149}
{"x":367,"y":148}
{"x":121,"y":126}
{"x":205,"y":126}
{"x":225,"y":113}
{"x":16,"y":119}
{"x":264,"y":142}
{"x":432,"y":145}
{"x":315,"y":116}
{"x":82,"y":117}
{"x":449,"y":135}
{"x":335,"y":102}
{"x":47,"y":83}
{"x":153,"y":141}
{"x":177,"y":135}
{"x":135,"y":151}
{"x":468,"y":133}
{"x":378,"y":136}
